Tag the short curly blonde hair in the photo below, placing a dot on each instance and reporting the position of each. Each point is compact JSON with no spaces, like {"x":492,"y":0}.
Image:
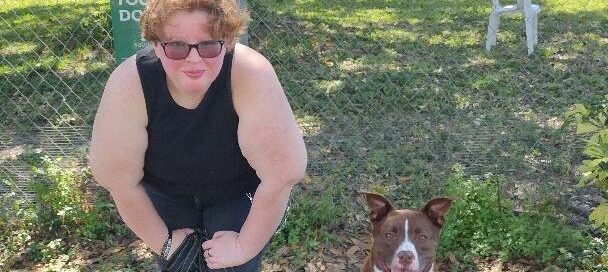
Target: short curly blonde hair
{"x":228,"y":20}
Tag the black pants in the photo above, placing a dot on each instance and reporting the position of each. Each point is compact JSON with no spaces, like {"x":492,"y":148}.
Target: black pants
{"x":227,"y":215}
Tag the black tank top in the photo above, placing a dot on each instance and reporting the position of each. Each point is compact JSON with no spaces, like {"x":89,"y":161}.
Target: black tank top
{"x":193,"y":155}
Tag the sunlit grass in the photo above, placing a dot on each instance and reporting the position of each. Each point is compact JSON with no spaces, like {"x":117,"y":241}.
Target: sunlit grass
{"x":310,"y":125}
{"x":9,"y":5}
{"x":84,"y":60}
{"x":54,"y":56}
{"x":17,"y":48}
{"x":574,"y":6}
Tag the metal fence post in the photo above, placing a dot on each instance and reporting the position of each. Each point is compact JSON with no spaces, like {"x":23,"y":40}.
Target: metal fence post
{"x":245,"y":36}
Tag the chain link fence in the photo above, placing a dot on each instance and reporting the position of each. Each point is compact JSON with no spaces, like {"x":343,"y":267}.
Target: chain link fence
{"x":387,"y":93}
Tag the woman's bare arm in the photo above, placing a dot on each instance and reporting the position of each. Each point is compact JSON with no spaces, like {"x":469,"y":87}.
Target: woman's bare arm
{"x":116,"y":155}
{"x":273,"y":145}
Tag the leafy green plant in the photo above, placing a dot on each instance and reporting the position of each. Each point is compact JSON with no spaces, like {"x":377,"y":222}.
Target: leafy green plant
{"x":17,"y":221}
{"x":65,"y":204}
{"x":593,"y":123}
{"x":67,"y":216}
{"x":44,"y":251}
{"x":595,"y":255}
{"x":482,"y":224}
{"x":312,"y":217}
{"x":594,"y":168}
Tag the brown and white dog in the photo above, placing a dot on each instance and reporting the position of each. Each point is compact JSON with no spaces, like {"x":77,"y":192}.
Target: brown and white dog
{"x":404,"y":240}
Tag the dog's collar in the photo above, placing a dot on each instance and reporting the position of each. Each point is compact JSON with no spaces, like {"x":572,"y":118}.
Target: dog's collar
{"x":428,"y":267}
{"x":382,"y":266}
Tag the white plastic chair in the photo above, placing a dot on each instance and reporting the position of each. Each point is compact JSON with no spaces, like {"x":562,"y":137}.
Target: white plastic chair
{"x":530,"y":12}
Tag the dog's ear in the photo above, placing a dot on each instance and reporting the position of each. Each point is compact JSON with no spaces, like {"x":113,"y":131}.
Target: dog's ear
{"x":379,"y":206}
{"x":436,"y":210}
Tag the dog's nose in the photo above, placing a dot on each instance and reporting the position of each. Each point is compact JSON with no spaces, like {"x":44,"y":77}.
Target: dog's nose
{"x":406,"y":257}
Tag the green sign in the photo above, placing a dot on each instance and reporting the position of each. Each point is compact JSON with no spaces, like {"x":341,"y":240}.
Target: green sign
{"x":126,"y":31}
{"x":125,"y":28}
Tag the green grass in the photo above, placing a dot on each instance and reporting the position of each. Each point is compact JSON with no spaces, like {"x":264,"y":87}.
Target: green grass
{"x":56,"y":56}
{"x":414,"y":79}
{"x":390,"y":94}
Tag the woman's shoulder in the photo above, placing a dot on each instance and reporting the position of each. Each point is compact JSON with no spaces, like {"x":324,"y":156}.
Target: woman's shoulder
{"x":123,"y":91}
{"x":255,"y":84}
{"x":248,"y":62}
{"x":250,"y":69}
{"x":124,"y":76}
{"x":124,"y":81}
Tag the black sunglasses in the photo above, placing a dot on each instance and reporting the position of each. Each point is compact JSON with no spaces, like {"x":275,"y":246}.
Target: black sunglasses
{"x":181,"y":50}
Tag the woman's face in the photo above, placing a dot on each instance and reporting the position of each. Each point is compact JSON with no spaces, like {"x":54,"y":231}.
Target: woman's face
{"x":193,"y":74}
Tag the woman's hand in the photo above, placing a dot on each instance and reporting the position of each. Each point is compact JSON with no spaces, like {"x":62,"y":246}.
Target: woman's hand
{"x":224,"y":250}
{"x":178,"y":237}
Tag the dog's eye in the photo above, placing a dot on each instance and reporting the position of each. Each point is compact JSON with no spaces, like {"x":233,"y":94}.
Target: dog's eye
{"x":388,"y":235}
